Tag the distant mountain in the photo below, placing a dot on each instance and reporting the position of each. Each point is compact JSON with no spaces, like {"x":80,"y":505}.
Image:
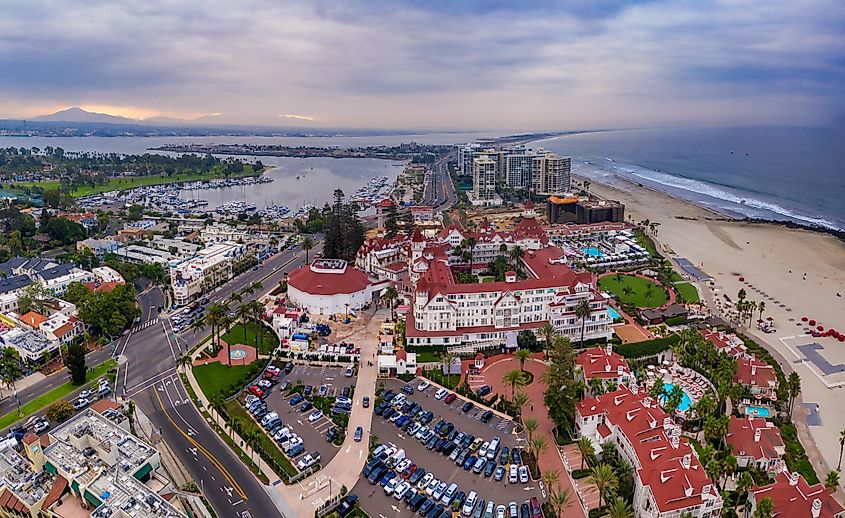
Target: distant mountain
{"x":76,"y":114}
{"x":164,"y":120}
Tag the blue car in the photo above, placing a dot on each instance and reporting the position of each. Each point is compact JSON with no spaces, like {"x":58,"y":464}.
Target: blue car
{"x":516,"y":457}
{"x":295,"y":400}
{"x":390,"y":475}
{"x":500,"y":473}
{"x":402,"y":420}
{"x":470,"y":462}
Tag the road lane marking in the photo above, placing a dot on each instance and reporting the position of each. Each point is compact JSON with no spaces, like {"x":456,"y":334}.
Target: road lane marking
{"x":205,"y":452}
{"x":149,"y":382}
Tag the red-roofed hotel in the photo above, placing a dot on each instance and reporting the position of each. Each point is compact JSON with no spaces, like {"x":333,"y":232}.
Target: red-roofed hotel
{"x":329,"y":286}
{"x":793,"y":497}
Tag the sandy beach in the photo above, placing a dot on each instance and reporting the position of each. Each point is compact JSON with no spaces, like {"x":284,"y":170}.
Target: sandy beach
{"x":773,"y":260}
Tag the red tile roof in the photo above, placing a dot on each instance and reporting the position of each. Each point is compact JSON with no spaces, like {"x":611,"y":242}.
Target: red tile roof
{"x":598,"y":363}
{"x":33,"y":319}
{"x":794,"y":497}
{"x":755,"y":373}
{"x":101,"y":405}
{"x":56,"y":492}
{"x":741,"y":438}
{"x":307,"y":280}
{"x":30,"y":438}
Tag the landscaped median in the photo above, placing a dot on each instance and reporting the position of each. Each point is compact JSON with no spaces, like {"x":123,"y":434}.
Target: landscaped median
{"x":54,"y":395}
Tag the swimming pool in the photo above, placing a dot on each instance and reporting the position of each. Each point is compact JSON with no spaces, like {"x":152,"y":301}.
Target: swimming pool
{"x":592,"y":252}
{"x":762,"y":411}
{"x":686,"y":402}
{"x":613,"y":314}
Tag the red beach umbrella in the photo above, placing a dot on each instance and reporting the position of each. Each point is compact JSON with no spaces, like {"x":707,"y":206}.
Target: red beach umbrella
{"x":841,"y":338}
{"x":812,"y":322}
{"x":820,"y":328}
{"x":804,"y":319}
{"x":742,"y":279}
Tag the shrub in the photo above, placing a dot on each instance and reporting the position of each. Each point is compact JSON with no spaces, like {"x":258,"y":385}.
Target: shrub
{"x":648,"y":347}
{"x":59,"y":411}
{"x":578,"y":474}
{"x":676,"y":321}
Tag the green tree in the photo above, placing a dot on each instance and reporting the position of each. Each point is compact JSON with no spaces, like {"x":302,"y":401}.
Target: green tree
{"x":561,"y":389}
{"x":585,"y":447}
{"x":522,"y":355}
{"x":548,"y":334}
{"x":618,"y":507}
{"x":65,"y":231}
{"x":764,"y":508}
{"x":841,"y":447}
{"x":307,"y":245}
{"x":560,"y":501}
{"x":59,"y":411}
{"x":793,"y":387}
{"x":518,"y":403}
{"x":514,"y":378}
{"x":582,"y":311}
{"x":604,"y":479}
{"x":390,"y":295}
{"x":832,"y":480}
{"x":539,"y":445}
{"x":75,"y":363}
{"x":10,"y":365}
{"x":530,"y":424}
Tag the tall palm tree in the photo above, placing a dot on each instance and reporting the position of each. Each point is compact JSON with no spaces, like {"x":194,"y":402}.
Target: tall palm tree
{"x":213,"y":316}
{"x":235,"y":296}
{"x":582,"y":311}
{"x":832,"y":480}
{"x":522,"y":355}
{"x":519,"y":402}
{"x":793,"y":387}
{"x":469,"y":243}
{"x":841,"y":447}
{"x":604,"y":479}
{"x":585,"y":446}
{"x":761,"y":306}
{"x":516,"y":255}
{"x":256,"y":311}
{"x":514,"y":378}
{"x":627,"y":291}
{"x":596,"y":386}
{"x":307,"y":245}
{"x":243,"y":313}
{"x":217,"y":403}
{"x":390,"y":295}
{"x":539,"y":445}
{"x":550,"y":478}
{"x":530,"y":424}
{"x":223,"y":327}
{"x":764,"y":508}
{"x":447,"y":358}
{"x":548,"y":334}
{"x":619,"y":508}
{"x":560,"y":501}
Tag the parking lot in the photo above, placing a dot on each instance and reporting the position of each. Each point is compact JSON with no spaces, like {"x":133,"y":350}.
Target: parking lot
{"x":313,"y":433}
{"x":377,"y":503}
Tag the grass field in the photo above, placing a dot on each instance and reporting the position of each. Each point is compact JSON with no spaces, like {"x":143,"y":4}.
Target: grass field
{"x":122,"y":184}
{"x":213,"y":378}
{"x":237,"y":411}
{"x":54,"y":395}
{"x":687,"y":292}
{"x":639,"y":286}
{"x":247,"y":334}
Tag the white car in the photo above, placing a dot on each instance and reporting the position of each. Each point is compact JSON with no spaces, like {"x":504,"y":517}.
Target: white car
{"x":401,"y":490}
{"x":40,"y":426}
{"x":438,"y":492}
{"x":426,"y":480}
{"x":391,"y":486}
{"x":429,"y":490}
{"x":413,"y":428}
{"x":80,"y":403}
{"x":315,"y":415}
{"x":424,"y":385}
{"x":455,"y":453}
{"x":422,"y":431}
{"x":513,"y":509}
{"x":306,"y":462}
{"x":85,"y":394}
{"x":402,"y":465}
{"x":469,"y":504}
{"x":500,"y":512}
{"x":440,"y":394}
{"x":482,"y":451}
{"x":523,"y":474}
{"x":512,"y":474}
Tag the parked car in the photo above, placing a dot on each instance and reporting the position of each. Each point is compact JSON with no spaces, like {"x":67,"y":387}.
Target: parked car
{"x":451,"y":397}
{"x":469,"y":405}
{"x":407,"y":389}
{"x":315,"y":416}
{"x":513,"y":509}
{"x":523,"y":474}
{"x":483,"y":391}
{"x":297,"y":399}
{"x":440,"y":394}
{"x":366,"y":402}
{"x":500,"y":473}
{"x":306,"y":406}
{"x":512,"y":474}
{"x":331,"y":435}
{"x":359,"y":434}
{"x":80,"y":403}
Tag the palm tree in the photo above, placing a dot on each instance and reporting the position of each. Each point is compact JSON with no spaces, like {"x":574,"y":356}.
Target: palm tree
{"x":197,"y":325}
{"x":729,"y":466}
{"x":530,"y":424}
{"x":841,"y":447}
{"x":550,"y":478}
{"x":762,"y":307}
{"x":235,"y":296}
{"x":539,"y":444}
{"x":185,"y":360}
{"x":585,"y":446}
{"x":307,"y":245}
{"x":764,"y":508}
{"x":627,"y":291}
{"x":619,"y":508}
{"x":793,"y":387}
{"x":618,"y":278}
{"x":243,"y":313}
{"x":212,"y":318}
{"x":217,"y":403}
{"x":596,"y":386}
{"x":604,"y":479}
{"x":225,"y":324}
{"x":522,"y":355}
{"x":256,"y":311}
{"x":560,"y":501}
{"x":447,"y":358}
{"x":832,"y":480}
{"x":548,"y":334}
{"x":470,"y":244}
{"x":390,"y":295}
{"x":516,"y":256}
{"x":515,"y":379}
{"x":582,"y":311}
{"x":649,"y":292}
{"x":519,"y":402}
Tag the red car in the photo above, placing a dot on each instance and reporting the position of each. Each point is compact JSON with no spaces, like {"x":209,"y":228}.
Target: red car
{"x":409,"y":471}
{"x":450,"y":398}
{"x":255,"y":389}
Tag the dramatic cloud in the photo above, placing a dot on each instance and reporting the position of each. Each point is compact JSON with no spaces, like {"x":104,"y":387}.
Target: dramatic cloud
{"x":437,"y":64}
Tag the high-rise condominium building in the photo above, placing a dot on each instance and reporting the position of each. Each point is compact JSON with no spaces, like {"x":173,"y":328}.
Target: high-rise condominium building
{"x":517,"y":167}
{"x":550,"y":173}
{"x":484,"y":181}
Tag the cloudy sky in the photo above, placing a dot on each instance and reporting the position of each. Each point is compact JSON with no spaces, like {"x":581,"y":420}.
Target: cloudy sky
{"x":429,"y":64}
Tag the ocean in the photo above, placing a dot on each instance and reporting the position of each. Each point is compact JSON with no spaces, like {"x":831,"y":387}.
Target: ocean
{"x":777,"y":173}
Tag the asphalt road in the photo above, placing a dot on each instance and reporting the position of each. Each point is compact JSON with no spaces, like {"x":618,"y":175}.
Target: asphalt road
{"x":439,"y":191}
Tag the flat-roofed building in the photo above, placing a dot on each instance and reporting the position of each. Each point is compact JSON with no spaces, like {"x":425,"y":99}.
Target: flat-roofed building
{"x":210,"y":267}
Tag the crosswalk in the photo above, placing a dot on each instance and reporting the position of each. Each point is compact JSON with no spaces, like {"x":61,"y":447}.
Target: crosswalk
{"x":144,"y":325}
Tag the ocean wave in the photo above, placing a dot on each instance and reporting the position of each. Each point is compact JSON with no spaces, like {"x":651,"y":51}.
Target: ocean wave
{"x":705,"y":189}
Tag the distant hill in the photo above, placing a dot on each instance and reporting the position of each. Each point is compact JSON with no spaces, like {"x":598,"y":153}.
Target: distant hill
{"x":76,"y":114}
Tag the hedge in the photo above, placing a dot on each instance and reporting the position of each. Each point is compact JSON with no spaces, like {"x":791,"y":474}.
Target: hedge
{"x":578,"y":474}
{"x":676,"y":321}
{"x":648,"y":347}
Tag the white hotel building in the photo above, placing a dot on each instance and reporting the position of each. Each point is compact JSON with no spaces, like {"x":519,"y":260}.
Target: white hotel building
{"x":445,"y":312}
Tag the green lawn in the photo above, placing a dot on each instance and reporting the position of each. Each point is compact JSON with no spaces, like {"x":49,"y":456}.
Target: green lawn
{"x":54,"y":395}
{"x":639,"y":287}
{"x":247,"y":334}
{"x":436,"y":375}
{"x":645,"y":242}
{"x":687,"y":292}
{"x":215,"y":377}
{"x":427,"y":357}
{"x":121,"y":184}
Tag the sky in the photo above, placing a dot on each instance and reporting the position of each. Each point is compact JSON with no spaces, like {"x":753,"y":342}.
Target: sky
{"x":521,"y":65}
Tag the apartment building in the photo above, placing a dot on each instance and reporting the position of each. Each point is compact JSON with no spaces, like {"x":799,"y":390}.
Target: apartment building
{"x":603,"y":364}
{"x":669,"y":480}
{"x":210,"y":267}
{"x":484,"y":176}
{"x":791,"y":495}
{"x":551,"y":173}
{"x":518,"y":167}
{"x":756,"y":442}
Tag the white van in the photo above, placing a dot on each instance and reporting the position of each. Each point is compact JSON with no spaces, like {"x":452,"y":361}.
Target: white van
{"x":449,"y":494}
{"x":469,"y":504}
{"x":493,"y":448}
